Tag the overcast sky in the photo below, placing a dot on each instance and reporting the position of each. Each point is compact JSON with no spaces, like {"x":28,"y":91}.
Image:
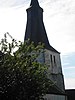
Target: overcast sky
{"x":59,"y":21}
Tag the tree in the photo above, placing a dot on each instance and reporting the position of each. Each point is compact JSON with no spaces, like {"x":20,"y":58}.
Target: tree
{"x":22,"y":77}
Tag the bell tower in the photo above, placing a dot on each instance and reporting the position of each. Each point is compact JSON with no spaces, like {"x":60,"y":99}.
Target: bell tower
{"x":35,"y":31}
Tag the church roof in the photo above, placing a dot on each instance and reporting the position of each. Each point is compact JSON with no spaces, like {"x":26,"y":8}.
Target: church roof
{"x":52,"y":49}
{"x":34,"y":3}
{"x":55,"y":90}
{"x":35,"y":30}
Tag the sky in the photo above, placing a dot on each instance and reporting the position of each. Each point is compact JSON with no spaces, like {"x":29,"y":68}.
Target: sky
{"x":59,"y":21}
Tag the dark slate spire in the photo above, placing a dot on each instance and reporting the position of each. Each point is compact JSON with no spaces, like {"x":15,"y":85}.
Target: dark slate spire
{"x":34,"y":3}
{"x":35,"y":30}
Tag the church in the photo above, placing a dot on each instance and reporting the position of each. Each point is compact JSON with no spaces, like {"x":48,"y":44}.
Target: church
{"x":35,"y":31}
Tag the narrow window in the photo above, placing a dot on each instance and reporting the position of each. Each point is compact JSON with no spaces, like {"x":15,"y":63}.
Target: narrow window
{"x":51,"y":57}
{"x":54,"y":60}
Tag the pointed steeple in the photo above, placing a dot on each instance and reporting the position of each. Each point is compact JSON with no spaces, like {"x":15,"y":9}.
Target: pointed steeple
{"x":35,"y":30}
{"x":34,"y":3}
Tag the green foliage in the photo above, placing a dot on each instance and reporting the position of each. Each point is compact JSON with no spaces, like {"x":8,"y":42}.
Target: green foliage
{"x":22,"y":77}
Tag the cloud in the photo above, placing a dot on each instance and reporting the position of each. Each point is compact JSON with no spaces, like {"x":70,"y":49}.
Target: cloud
{"x":68,"y":59}
{"x":69,"y":72}
{"x":59,"y":19}
{"x":70,"y":83}
{"x":65,"y":64}
{"x":13,"y":21}
{"x":12,"y":3}
{"x":60,"y":6}
{"x":70,"y":67}
{"x":60,"y":30}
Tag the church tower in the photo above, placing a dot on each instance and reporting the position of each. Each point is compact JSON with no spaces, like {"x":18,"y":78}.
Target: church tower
{"x":35,"y":31}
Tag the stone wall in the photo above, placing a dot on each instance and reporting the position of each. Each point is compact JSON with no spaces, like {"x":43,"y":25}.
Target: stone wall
{"x":53,"y":61}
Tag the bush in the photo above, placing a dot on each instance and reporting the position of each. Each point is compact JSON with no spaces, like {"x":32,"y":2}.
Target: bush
{"x":22,"y":77}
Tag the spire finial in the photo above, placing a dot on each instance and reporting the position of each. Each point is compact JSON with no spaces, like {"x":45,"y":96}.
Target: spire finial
{"x":34,"y":3}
